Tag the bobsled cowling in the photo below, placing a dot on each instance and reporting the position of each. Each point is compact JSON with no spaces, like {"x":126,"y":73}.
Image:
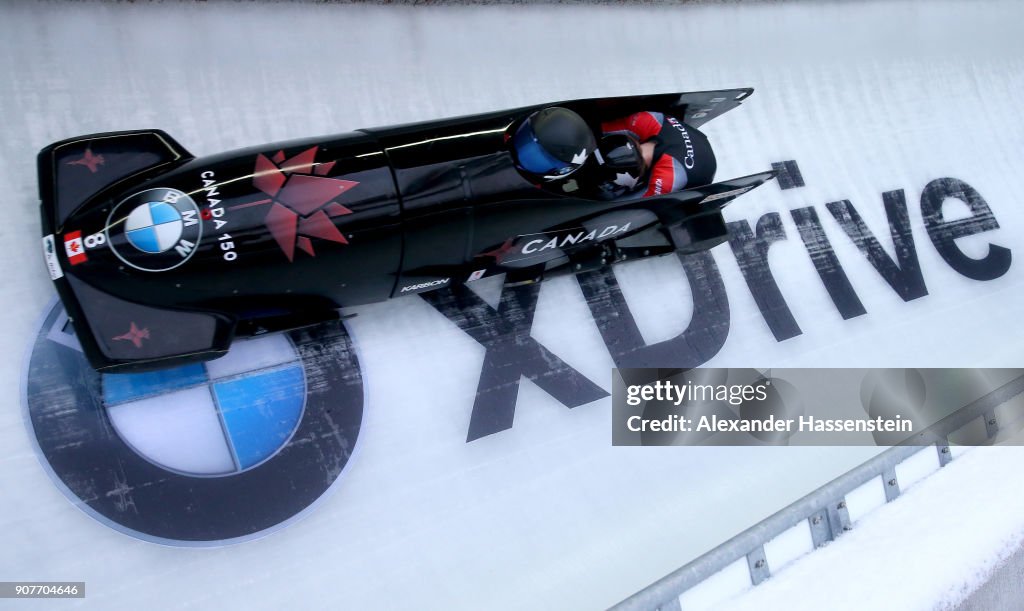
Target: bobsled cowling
{"x":162,"y":258}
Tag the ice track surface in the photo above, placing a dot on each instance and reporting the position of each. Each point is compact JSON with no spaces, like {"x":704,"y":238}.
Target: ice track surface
{"x":866,"y":97}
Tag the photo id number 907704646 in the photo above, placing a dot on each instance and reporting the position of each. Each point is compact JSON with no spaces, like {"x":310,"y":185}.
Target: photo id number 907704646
{"x":42,"y":589}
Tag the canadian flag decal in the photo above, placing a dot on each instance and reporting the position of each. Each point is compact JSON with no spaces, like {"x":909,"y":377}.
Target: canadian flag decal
{"x":74,"y":248}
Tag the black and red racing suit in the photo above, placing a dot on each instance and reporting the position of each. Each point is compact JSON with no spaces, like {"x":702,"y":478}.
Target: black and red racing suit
{"x":682,"y":155}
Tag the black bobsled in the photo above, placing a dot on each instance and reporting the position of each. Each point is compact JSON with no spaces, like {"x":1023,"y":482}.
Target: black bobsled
{"x":161,"y":258}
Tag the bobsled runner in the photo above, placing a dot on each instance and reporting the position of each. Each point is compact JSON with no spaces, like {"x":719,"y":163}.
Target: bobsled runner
{"x":162,"y":258}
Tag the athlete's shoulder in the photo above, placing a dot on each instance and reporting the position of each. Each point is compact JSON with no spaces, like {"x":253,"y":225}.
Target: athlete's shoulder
{"x":641,"y":125}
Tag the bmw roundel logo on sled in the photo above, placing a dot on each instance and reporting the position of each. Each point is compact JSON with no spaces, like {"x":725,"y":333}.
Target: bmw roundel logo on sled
{"x":155,"y":230}
{"x":205,"y":454}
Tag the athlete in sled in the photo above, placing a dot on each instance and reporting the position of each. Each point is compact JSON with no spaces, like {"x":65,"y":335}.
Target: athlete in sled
{"x":161,"y":258}
{"x":645,"y":154}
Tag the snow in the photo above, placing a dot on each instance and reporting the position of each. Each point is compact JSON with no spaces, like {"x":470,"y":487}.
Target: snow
{"x":788,"y":545}
{"x":867,"y":97}
{"x":917,"y":467}
{"x":928,"y":549}
{"x":865,"y":498}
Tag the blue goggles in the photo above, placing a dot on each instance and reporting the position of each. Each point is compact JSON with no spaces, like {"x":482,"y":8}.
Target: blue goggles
{"x":531,"y":155}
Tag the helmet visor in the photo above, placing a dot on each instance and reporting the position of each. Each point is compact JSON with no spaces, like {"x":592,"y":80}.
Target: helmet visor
{"x":531,"y":155}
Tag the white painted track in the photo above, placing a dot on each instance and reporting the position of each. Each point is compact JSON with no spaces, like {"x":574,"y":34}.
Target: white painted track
{"x":867,"y":97}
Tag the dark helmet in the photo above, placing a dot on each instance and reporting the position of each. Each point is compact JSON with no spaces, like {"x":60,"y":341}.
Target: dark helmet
{"x":621,"y":162}
{"x":553,"y":143}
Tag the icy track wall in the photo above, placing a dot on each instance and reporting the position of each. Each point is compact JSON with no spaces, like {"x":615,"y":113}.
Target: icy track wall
{"x":473,"y":483}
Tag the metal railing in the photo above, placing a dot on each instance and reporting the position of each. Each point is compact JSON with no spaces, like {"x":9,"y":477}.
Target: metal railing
{"x":824,"y":510}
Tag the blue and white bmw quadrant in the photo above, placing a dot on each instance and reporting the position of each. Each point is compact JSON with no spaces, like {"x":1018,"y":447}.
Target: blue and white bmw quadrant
{"x":214,"y":418}
{"x":153,"y":227}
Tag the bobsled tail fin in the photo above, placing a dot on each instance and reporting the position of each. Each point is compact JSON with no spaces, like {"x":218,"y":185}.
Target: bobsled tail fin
{"x":699,"y":107}
{"x":673,"y":208}
{"x":693,"y":218}
{"x":719,"y":194}
{"x":120,"y":336}
{"x":73,"y":171}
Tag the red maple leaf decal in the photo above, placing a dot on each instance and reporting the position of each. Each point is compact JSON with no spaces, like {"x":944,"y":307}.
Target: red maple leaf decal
{"x":89,"y":160}
{"x":134,"y":335}
{"x":500,"y":253}
{"x":301,"y":200}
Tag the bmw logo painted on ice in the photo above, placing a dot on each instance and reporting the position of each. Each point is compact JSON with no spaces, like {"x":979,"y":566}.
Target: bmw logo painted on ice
{"x":204,"y":454}
{"x":155,"y":230}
